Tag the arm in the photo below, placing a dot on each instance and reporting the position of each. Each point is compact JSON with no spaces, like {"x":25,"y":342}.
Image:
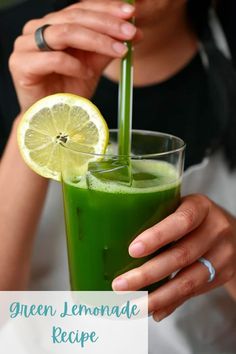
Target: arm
{"x":85,"y":37}
{"x":22,"y":196}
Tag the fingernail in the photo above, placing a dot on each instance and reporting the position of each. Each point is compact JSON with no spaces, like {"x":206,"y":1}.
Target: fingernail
{"x":128,"y":29}
{"x":136,"y":249}
{"x":159,"y":316}
{"x":119,"y":48}
{"x":120,"y":284}
{"x":128,"y":9}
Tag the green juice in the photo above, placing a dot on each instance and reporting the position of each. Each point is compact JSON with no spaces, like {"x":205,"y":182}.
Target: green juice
{"x":103,"y":216}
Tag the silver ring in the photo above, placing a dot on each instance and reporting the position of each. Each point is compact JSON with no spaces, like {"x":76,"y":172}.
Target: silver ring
{"x":40,"y":40}
{"x":210,"y":268}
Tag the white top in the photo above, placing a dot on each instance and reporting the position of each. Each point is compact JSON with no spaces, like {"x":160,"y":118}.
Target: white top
{"x":205,"y":324}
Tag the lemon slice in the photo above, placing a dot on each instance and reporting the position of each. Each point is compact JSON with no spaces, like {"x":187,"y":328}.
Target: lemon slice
{"x":61,"y":131}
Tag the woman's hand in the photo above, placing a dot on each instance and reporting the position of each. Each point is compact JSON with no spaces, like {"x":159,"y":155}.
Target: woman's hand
{"x":84,"y":37}
{"x":198,"y":228}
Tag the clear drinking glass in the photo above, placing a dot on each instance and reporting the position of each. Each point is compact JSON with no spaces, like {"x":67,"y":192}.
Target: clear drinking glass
{"x":113,"y":199}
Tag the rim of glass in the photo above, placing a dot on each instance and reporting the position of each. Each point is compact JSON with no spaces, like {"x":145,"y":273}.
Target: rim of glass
{"x":133,"y":156}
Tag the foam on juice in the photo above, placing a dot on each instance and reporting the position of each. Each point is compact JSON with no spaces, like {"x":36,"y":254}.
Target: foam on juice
{"x":148,"y":176}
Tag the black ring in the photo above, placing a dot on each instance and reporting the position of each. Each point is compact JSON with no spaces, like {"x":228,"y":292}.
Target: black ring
{"x":40,"y":40}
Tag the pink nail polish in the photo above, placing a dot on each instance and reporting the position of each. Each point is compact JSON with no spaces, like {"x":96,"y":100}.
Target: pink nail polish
{"x":120,"y":284}
{"x":136,"y":249}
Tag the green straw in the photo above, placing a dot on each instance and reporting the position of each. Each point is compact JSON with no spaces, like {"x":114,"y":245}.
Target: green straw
{"x":126,"y":100}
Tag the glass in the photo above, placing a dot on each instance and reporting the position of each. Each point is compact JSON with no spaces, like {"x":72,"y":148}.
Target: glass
{"x":113,"y":199}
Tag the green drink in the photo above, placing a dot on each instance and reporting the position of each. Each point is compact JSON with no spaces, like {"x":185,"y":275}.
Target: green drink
{"x":105,"y":210}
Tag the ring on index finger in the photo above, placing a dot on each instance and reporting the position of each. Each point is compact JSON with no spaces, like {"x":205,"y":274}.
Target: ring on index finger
{"x":40,"y":40}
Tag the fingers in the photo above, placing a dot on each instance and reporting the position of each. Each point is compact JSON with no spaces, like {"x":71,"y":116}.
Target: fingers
{"x":191,"y":213}
{"x":73,"y":25}
{"x":82,"y":29}
{"x":194,"y":280}
{"x":57,"y":62}
{"x":213,"y":228}
{"x":189,"y":282}
{"x":203,"y":230}
{"x":116,"y":8}
{"x":61,"y":37}
{"x":180,"y":255}
{"x":100,"y":22}
{"x":183,"y":286}
{"x":92,"y":32}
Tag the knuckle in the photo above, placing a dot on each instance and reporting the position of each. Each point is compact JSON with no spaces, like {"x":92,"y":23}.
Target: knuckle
{"x":200,"y":202}
{"x":186,"y":287}
{"x":148,"y":277}
{"x":143,"y":276}
{"x":226,"y":228}
{"x":229,"y":251}
{"x":17,"y":43}
{"x":186,"y":217}
{"x":112,"y":23}
{"x":101,"y":40}
{"x":12,"y":63}
{"x":74,"y":15}
{"x":50,"y":16}
{"x":182,"y":256}
{"x":65,"y":29}
{"x":157,"y":236}
{"x":29,"y":26}
{"x":223,"y":229}
{"x":201,"y":198}
{"x":229,"y":274}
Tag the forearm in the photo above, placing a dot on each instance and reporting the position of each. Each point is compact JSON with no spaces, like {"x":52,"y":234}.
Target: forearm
{"x":22,"y":197}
